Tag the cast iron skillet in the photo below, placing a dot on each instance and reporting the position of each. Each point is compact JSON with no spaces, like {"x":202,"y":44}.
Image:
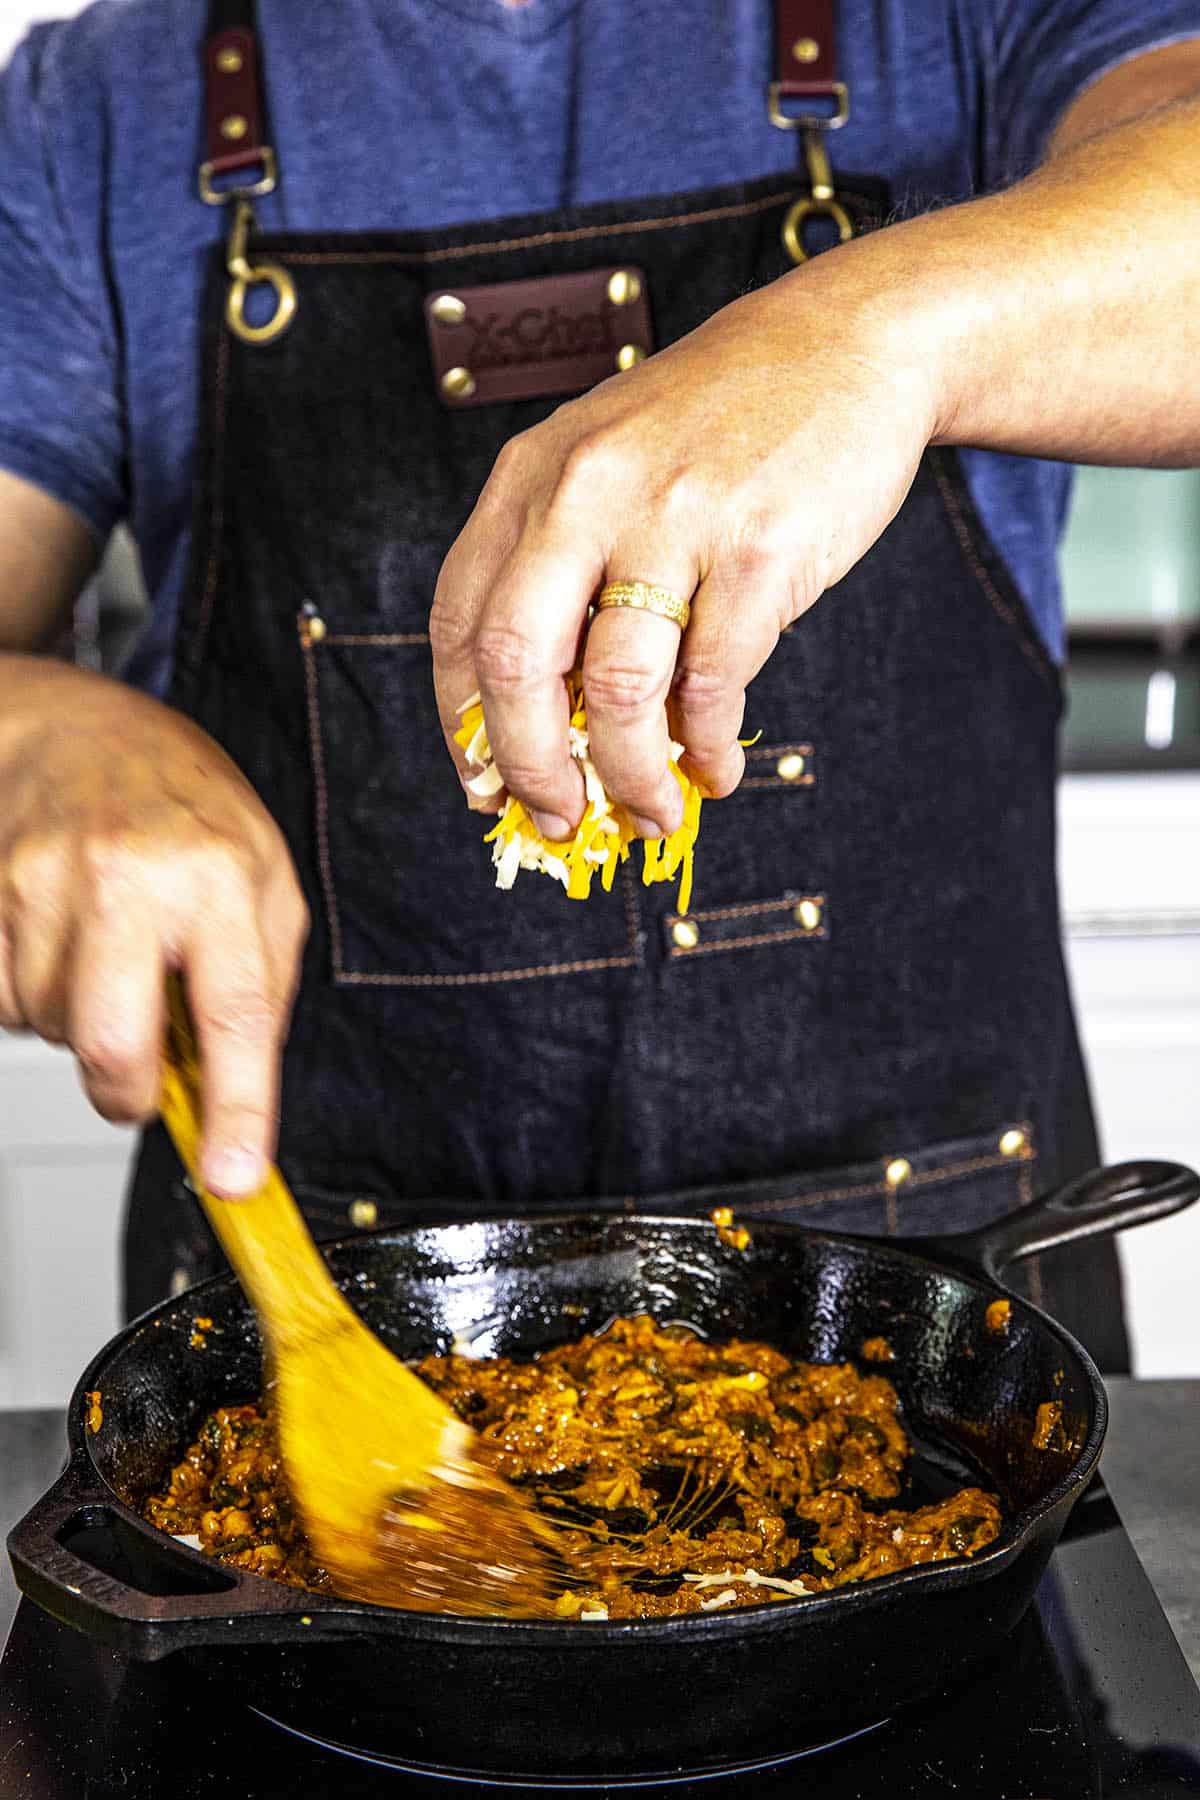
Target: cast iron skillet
{"x":601,"y":1702}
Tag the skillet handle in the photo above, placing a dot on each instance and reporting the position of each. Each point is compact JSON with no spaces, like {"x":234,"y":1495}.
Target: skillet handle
{"x":151,"y":1597}
{"x":1105,"y":1200}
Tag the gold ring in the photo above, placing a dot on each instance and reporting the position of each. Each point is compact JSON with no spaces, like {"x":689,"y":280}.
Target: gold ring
{"x":664,"y":602}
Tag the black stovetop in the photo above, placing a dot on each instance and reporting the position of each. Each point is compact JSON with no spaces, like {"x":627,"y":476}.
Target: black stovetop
{"x":1091,"y":1700}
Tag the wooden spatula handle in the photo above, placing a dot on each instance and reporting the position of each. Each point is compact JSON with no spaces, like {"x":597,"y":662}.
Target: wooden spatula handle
{"x":264,"y":1235}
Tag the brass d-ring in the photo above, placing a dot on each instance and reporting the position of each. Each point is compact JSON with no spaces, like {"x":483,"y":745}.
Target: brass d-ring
{"x":285,"y":303}
{"x":793,"y":232}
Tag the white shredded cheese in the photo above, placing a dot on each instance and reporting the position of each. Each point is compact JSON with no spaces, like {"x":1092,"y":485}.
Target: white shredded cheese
{"x":594,"y":1613}
{"x":725,"y":1599}
{"x":509,"y":858}
{"x":751,"y":1578}
{"x":489,"y":781}
{"x":479,"y":751}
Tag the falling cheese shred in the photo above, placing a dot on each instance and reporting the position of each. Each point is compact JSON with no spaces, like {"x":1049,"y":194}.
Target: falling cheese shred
{"x":603,"y":837}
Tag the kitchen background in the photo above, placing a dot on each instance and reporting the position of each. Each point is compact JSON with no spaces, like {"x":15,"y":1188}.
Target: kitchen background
{"x":1130,"y":865}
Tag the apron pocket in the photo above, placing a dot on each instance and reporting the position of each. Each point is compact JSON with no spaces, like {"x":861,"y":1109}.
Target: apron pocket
{"x":406,"y":881}
{"x":956,"y":1185}
{"x":779,"y":766}
{"x":750,"y":926}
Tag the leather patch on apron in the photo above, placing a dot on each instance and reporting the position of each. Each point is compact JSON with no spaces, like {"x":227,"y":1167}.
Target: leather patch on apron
{"x":523,"y":340}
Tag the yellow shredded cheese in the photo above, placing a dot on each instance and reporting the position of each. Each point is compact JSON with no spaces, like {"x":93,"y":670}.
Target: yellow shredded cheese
{"x":603,"y":837}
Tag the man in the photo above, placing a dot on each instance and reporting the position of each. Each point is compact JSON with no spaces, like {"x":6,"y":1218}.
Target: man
{"x":864,"y":1020}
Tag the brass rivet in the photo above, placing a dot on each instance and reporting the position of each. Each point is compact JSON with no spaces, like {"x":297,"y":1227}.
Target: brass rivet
{"x":234,"y":126}
{"x":363,"y":1213}
{"x":229,"y":61}
{"x":806,"y":50}
{"x":790,"y":767}
{"x":459,"y":383}
{"x":315,"y":629}
{"x":686,"y":933}
{"x":629,"y":355}
{"x":624,"y":287}
{"x":808,"y":914}
{"x":897,"y":1171}
{"x":448,"y":309}
{"x":1012,"y":1143}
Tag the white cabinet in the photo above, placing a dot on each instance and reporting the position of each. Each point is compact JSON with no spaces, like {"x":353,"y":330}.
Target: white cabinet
{"x":62,"y":1179}
{"x":1130,"y":879}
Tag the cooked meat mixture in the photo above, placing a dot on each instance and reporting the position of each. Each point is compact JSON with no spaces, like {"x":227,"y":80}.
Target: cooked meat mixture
{"x":230,"y":1492}
{"x":684,"y":1475}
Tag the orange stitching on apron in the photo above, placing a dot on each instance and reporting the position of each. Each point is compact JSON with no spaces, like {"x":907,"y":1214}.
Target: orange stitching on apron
{"x":744,"y":943}
{"x":749,"y":910}
{"x":216,"y":524}
{"x":962,"y":532}
{"x":762,"y":752}
{"x":864,"y":1189}
{"x":321,"y":793}
{"x":583,"y":967}
{"x":383,"y":640}
{"x":774,"y":781}
{"x":861,"y":1191}
{"x":580,"y":234}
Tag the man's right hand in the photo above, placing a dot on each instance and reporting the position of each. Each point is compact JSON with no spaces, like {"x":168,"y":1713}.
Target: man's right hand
{"x":130,"y":844}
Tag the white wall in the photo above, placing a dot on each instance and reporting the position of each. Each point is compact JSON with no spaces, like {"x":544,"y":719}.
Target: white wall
{"x":17,"y":15}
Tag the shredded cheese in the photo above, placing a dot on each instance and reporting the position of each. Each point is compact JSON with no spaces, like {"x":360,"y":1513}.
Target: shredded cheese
{"x":603,"y":837}
{"x":749,"y":1578}
{"x":726,"y":1599}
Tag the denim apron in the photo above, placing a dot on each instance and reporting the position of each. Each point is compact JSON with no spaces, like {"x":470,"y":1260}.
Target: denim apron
{"x":865,"y":1023}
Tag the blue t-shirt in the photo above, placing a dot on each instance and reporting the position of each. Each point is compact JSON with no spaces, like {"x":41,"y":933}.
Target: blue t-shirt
{"x":402,"y":114}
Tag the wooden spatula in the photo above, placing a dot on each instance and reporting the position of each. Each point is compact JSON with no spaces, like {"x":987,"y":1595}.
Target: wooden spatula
{"x":396,"y":1503}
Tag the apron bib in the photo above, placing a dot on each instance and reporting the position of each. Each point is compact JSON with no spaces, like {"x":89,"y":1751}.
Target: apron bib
{"x":865,"y":1023}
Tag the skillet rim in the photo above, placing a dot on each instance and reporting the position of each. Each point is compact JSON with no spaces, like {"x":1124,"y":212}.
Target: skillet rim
{"x":954,"y":1572}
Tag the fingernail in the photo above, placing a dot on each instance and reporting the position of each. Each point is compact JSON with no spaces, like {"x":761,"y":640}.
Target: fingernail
{"x":232,"y":1174}
{"x":552,"y":827}
{"x":647,"y":828}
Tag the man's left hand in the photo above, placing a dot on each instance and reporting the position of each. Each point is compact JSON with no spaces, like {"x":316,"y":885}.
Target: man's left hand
{"x":747,"y":467}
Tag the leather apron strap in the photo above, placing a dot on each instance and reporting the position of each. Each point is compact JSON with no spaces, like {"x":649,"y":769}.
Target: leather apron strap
{"x":238,"y":162}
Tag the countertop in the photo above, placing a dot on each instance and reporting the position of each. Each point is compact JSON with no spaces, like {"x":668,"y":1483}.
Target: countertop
{"x":1151,"y":1466}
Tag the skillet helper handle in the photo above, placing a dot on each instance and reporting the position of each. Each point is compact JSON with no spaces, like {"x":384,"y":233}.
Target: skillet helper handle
{"x":1110,"y":1199}
{"x":228,"y":1605}
{"x":263,"y":1235}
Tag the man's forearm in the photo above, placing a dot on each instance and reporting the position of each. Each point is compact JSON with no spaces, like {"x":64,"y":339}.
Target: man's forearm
{"x":1062,"y":317}
{"x":46,"y":556}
